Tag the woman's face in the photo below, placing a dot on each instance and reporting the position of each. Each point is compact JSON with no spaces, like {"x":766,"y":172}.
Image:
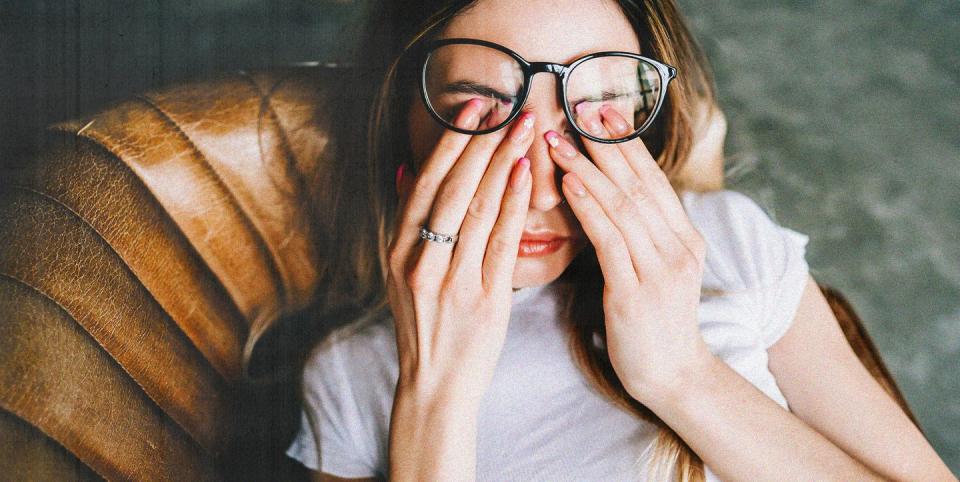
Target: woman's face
{"x":549,"y":31}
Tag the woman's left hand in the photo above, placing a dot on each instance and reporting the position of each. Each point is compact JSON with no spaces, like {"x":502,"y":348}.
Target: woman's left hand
{"x":650,"y":254}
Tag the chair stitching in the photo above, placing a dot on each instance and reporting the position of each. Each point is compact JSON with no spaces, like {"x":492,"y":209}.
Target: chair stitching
{"x":47,"y":434}
{"x":190,"y":345}
{"x":266,"y":106}
{"x":236,"y":316}
{"x":272,"y":261}
{"x":189,"y":435}
{"x":123,"y":261}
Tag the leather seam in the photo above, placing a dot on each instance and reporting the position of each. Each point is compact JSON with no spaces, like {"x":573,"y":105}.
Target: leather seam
{"x":234,"y":321}
{"x":189,"y":344}
{"x":125,"y":264}
{"x":110,"y":356}
{"x":256,"y":233}
{"x":6,"y":408}
{"x":266,"y":107}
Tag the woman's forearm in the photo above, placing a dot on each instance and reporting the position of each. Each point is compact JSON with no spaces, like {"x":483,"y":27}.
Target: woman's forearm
{"x":432,"y":437}
{"x":742,"y":434}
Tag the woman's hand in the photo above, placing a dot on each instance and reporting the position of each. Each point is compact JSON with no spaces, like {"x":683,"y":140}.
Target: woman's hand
{"x":650,"y":254}
{"x":451,"y":303}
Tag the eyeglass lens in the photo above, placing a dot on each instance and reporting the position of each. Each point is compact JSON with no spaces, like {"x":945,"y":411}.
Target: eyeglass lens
{"x":630,"y":86}
{"x":456,"y":73}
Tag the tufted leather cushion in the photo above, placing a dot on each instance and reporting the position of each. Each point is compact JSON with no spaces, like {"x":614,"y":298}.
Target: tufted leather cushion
{"x":141,"y":250}
{"x":144,"y":248}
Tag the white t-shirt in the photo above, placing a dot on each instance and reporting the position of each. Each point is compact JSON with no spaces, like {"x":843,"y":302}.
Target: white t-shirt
{"x":540,"y":419}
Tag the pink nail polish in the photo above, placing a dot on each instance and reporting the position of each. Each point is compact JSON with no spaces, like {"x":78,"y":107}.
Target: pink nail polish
{"x":522,"y":127}
{"x":619,"y":125}
{"x":594,"y":127}
{"x":564,"y":148}
{"x":469,"y":116}
{"x":552,"y":139}
{"x":520,"y":177}
{"x":400,"y":172}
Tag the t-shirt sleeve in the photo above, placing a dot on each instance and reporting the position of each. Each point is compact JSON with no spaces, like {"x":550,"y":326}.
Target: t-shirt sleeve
{"x":779,"y":301}
{"x":763,"y":257}
{"x":331,"y":423}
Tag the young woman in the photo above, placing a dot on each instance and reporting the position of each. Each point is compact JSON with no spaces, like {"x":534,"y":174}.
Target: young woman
{"x":547,"y":300}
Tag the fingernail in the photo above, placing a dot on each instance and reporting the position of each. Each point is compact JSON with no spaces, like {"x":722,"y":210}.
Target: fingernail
{"x":616,"y":121}
{"x":400,"y":172}
{"x":587,"y":121}
{"x":521,"y":172}
{"x":469,"y":115}
{"x":574,"y":184}
{"x":552,"y":139}
{"x":560,"y":145}
{"x":522,"y":129}
{"x":593,"y":126}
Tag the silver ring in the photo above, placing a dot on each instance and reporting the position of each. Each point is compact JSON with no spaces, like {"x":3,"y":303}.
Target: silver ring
{"x":438,"y":237}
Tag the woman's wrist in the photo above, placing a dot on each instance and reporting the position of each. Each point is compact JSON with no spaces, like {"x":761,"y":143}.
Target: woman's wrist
{"x":436,"y":390}
{"x":432,"y":435}
{"x":669,"y":390}
{"x":437,"y":397}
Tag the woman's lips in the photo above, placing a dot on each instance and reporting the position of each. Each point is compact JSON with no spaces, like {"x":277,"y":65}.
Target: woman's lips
{"x":540,"y":247}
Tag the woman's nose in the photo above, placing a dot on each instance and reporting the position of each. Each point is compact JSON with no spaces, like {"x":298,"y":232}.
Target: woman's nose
{"x":543,"y":101}
{"x":545,"y":193}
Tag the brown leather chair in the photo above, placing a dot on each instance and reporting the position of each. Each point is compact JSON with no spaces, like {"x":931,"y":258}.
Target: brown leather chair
{"x":142,"y":249}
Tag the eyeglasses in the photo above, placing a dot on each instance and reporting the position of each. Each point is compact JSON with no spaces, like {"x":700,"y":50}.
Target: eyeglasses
{"x":453,"y":71}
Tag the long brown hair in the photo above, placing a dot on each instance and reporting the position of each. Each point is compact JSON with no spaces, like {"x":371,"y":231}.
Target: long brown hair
{"x":361,"y":204}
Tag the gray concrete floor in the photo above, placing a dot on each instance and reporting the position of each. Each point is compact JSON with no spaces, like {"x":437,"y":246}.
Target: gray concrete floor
{"x":844,"y":122}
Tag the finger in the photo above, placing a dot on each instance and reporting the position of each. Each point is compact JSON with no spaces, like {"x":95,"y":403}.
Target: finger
{"x":610,"y":160}
{"x":416,"y":208}
{"x":494,"y":116}
{"x":616,"y":262}
{"x":641,"y":225}
{"x":645,"y":167}
{"x":606,"y":156}
{"x":500,"y":258}
{"x":459,"y":189}
{"x":485,"y":207}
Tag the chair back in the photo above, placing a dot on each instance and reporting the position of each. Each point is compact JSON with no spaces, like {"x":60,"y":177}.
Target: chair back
{"x":147,"y":245}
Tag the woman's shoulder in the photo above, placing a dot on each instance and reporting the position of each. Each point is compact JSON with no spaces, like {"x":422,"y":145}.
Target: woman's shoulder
{"x":761,"y":267}
{"x":347,"y":391}
{"x":353,"y":349}
{"x":746,"y":247}
{"x":369,"y":326}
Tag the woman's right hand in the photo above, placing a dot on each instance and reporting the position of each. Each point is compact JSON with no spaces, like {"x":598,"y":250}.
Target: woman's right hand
{"x":451,"y":303}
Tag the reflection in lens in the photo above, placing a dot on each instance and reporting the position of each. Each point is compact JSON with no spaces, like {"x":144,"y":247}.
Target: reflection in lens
{"x":457,"y":73}
{"x":630,"y":86}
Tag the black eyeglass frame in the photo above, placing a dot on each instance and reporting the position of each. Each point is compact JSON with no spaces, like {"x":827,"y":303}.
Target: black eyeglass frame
{"x":667,"y":73}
